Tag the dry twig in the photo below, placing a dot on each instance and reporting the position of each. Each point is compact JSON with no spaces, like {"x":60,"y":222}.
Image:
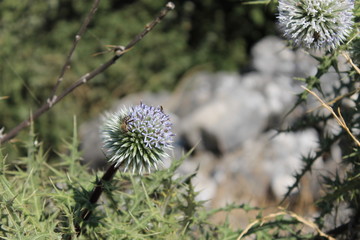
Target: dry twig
{"x":283,"y":212}
{"x":338,"y":117}
{"x":77,"y":38}
{"x":347,"y":57}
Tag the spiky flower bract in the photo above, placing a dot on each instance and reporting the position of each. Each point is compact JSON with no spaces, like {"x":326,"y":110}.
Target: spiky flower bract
{"x":316,"y":24}
{"x":136,"y":138}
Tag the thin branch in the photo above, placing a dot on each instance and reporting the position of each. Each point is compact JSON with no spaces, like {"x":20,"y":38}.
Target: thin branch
{"x":338,"y":117}
{"x":347,"y":57}
{"x":259,"y":221}
{"x":77,"y":38}
{"x":284,"y":212}
{"x":169,"y":6}
{"x":310,"y":224}
{"x":338,"y":98}
{"x":119,"y":52}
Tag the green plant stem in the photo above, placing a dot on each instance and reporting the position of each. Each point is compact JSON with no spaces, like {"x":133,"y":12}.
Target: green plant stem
{"x":96,"y":193}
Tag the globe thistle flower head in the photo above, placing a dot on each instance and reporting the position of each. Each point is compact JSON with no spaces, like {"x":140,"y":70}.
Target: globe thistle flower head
{"x":136,"y":138}
{"x":316,"y":24}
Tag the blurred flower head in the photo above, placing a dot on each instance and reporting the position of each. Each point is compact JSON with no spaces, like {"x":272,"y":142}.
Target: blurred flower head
{"x":316,"y":24}
{"x":136,"y":138}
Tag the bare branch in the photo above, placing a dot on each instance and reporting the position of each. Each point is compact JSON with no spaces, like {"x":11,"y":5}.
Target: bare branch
{"x":338,"y":117}
{"x":347,"y":57}
{"x":87,"y":77}
{"x":75,"y":42}
{"x":169,"y":6}
{"x":284,"y":212}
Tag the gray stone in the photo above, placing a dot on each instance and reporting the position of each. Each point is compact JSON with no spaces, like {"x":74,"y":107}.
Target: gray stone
{"x":272,"y":56}
{"x":227,"y":119}
{"x":233,"y":109}
{"x":193,"y":92}
{"x":282,"y":158}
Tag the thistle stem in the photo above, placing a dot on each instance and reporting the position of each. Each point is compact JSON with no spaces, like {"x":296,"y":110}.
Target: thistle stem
{"x":96,"y":193}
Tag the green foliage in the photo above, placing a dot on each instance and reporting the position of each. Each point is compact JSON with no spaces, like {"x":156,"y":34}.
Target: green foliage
{"x":42,"y":199}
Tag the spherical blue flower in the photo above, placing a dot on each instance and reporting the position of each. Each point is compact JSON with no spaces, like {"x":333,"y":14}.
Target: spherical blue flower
{"x":136,"y":138}
{"x":316,"y":24}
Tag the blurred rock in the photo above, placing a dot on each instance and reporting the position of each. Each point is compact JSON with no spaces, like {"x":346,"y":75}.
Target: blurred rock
{"x":219,"y":119}
{"x":285,"y":151}
{"x":233,"y":103}
{"x":272,"y":56}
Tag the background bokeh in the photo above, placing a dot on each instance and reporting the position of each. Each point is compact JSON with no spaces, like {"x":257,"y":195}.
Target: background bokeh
{"x":35,"y":37}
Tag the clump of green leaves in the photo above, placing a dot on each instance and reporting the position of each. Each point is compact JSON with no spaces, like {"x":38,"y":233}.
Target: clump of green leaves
{"x":41,"y":198}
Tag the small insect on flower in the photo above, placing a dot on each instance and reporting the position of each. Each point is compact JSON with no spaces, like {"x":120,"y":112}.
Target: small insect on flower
{"x":136,"y":138}
{"x":125,"y":123}
{"x":316,"y":24}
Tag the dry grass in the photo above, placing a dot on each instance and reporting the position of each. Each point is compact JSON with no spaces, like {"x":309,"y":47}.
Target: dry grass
{"x":284,"y":212}
{"x":338,"y":117}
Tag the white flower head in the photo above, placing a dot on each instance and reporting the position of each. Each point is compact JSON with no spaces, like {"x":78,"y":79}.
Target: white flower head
{"x":136,"y":138}
{"x":316,"y":24}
